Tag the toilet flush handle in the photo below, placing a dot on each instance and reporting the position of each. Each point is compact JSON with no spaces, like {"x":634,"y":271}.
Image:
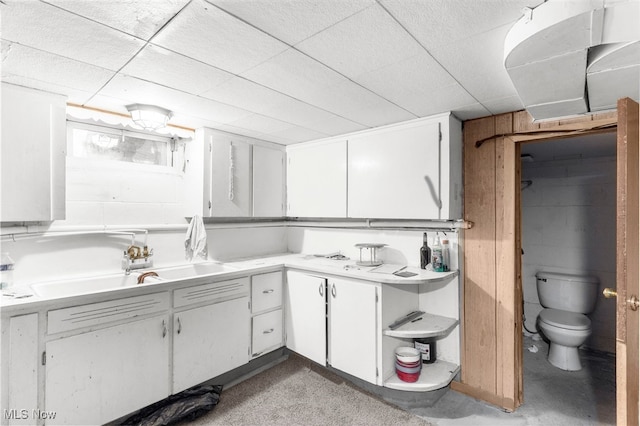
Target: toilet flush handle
{"x":633,"y":301}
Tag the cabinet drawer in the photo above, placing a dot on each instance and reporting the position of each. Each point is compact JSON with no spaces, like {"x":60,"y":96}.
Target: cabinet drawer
{"x":214,"y":292}
{"x":104,"y":312}
{"x":267,"y":331}
{"x":266,"y":291}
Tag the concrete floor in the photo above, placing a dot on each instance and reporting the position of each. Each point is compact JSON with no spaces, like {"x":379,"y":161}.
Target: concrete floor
{"x":551,"y":396}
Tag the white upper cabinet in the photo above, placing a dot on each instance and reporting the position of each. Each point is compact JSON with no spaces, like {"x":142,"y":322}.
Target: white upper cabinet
{"x":268,"y":182}
{"x":410,"y":170}
{"x":218,"y":175}
{"x":32,"y":152}
{"x":232,"y":176}
{"x":317,"y":179}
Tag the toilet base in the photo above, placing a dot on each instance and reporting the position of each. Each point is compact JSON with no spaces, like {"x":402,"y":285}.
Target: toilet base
{"x":564,"y":357}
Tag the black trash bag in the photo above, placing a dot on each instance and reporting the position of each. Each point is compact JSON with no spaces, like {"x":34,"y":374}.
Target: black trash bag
{"x":186,"y":405}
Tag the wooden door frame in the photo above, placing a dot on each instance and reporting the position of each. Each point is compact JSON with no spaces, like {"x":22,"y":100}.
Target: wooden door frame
{"x":491,"y":301}
{"x":627,"y":229}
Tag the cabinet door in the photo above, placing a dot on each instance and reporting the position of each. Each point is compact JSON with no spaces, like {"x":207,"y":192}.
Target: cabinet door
{"x":305,"y":316}
{"x":21,"y":384}
{"x":317,"y":180}
{"x":33,"y":152}
{"x":209,"y":341}
{"x":268,"y":182}
{"x":99,"y":376}
{"x":230,"y":177}
{"x":353,"y":328}
{"x":395,"y":172}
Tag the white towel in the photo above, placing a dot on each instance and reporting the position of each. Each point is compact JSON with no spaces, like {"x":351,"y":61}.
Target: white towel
{"x":195,"y":242}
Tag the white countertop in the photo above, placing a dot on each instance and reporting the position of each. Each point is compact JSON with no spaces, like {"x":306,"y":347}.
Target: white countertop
{"x":240,"y":267}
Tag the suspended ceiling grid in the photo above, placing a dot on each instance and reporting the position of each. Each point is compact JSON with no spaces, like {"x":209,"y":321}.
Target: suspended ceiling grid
{"x":284,"y":71}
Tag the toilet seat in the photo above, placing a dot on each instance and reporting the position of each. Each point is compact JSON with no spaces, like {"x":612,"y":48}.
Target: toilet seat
{"x":565,"y":319}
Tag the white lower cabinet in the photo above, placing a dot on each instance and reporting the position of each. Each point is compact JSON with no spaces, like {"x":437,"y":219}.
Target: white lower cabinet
{"x":99,"y":376}
{"x":353,"y":328}
{"x":334,"y":321}
{"x":305,"y":316}
{"x":209,"y":341}
{"x":266,"y":308}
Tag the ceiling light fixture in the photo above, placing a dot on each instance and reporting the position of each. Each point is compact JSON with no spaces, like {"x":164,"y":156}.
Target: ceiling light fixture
{"x":149,"y":117}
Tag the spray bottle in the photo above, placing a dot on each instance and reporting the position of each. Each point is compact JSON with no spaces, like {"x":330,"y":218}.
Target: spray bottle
{"x":436,"y":255}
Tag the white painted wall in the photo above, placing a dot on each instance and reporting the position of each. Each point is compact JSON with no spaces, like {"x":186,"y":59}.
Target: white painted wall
{"x":569,"y":225}
{"x":44,"y":259}
{"x":403,"y":246}
{"x":114,"y":194}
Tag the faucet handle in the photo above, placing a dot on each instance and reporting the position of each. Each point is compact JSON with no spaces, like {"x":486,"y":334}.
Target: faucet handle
{"x":134,"y":252}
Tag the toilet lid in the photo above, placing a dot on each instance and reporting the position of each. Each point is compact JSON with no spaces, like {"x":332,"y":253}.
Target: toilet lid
{"x":564,"y":319}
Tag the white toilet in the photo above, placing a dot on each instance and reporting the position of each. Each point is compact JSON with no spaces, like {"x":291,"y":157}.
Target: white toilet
{"x":567,"y":298}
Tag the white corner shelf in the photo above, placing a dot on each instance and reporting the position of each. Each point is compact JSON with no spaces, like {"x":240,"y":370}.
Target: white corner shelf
{"x":432,"y":377}
{"x":427,"y":325}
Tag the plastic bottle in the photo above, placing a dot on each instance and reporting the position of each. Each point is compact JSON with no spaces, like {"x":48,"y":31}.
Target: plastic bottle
{"x":436,"y":256}
{"x":445,"y":255}
{"x":6,"y":271}
{"x":425,"y":253}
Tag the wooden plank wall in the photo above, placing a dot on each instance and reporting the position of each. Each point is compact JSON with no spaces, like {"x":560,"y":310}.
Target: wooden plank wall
{"x":491,"y":305}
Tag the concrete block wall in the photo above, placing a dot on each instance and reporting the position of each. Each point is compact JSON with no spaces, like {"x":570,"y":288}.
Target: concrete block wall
{"x":569,"y":226}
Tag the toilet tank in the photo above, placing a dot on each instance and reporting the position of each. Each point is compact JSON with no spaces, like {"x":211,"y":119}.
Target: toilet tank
{"x":573,"y":293}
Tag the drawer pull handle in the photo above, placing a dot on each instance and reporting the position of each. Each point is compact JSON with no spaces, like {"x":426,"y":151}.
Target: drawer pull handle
{"x":267,"y":291}
{"x":164,"y":329}
{"x":333,"y":290}
{"x":321,"y":289}
{"x":268,"y":331}
{"x":179,"y":326}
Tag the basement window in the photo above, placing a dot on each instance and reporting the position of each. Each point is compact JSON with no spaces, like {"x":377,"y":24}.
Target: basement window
{"x":112,"y":144}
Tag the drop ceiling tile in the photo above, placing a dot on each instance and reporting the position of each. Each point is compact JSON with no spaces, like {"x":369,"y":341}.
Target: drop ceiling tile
{"x":208,"y":34}
{"x":253,"y":134}
{"x":360,"y":105}
{"x":170,"y":69}
{"x":66,"y":76}
{"x":293,"y":20}
{"x":194,"y":122}
{"x":66,"y":34}
{"x":418,"y":84}
{"x":313,"y":118}
{"x":469,"y":112}
{"x":299,"y":134}
{"x":131,"y":90}
{"x":499,"y":106}
{"x":335,"y":126}
{"x":366,"y":41}
{"x":477,"y":64}
{"x":132,"y":17}
{"x":294,"y":73}
{"x":73,"y":95}
{"x":260,"y":123}
{"x":246,"y":94}
{"x":441,"y":22}
{"x":211,"y":110}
